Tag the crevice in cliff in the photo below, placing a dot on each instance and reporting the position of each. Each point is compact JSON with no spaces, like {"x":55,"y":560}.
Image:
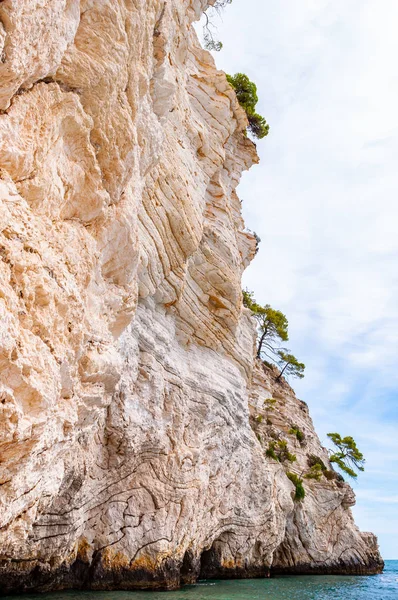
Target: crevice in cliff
{"x":47,"y":80}
{"x":62,"y":85}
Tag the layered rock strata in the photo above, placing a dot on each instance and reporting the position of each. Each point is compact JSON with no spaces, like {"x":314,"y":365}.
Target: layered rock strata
{"x":132,"y":452}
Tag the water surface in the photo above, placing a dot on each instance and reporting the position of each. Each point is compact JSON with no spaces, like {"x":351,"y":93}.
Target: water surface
{"x":307,"y":587}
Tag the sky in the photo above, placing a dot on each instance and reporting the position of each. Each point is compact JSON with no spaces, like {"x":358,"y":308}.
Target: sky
{"x":324,"y":202}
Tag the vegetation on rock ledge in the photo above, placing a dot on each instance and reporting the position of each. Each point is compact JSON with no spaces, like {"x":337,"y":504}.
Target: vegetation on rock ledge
{"x":272,"y":329}
{"x":298,"y":483}
{"x":297,"y":432}
{"x":279,"y":451}
{"x":315,"y":472}
{"x":246,"y":92}
{"x":210,"y":42}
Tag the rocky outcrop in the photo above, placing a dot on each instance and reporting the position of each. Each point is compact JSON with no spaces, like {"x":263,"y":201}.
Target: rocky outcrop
{"x":132,"y":452}
{"x":320,"y":535}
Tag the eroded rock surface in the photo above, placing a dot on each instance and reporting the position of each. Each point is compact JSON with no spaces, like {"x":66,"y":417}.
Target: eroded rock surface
{"x":131,"y":450}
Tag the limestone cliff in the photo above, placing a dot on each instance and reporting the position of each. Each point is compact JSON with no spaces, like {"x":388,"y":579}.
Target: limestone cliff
{"x":131,"y":441}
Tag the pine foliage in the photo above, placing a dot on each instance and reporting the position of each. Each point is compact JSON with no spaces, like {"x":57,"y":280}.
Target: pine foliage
{"x":272,"y":329}
{"x":298,"y":483}
{"x":246,"y":92}
{"x":348,"y":458}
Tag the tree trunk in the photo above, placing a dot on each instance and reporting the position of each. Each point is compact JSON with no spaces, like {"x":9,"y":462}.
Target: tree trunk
{"x":260,"y":343}
{"x":281,"y":373}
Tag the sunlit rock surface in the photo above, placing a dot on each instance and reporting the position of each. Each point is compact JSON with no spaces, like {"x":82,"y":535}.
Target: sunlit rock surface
{"x":131,"y":450}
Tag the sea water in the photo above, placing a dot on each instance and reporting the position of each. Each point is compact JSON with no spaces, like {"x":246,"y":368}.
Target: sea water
{"x":306,"y":587}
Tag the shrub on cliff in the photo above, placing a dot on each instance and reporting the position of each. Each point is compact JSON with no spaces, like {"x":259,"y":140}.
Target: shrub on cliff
{"x":279,"y":451}
{"x":298,"y":483}
{"x":315,"y":472}
{"x":296,"y":431}
{"x":246,"y":92}
{"x":270,"y":451}
{"x":269,"y":403}
{"x":312,"y":460}
{"x":269,"y":406}
{"x":330,"y":475}
{"x":348,"y":458}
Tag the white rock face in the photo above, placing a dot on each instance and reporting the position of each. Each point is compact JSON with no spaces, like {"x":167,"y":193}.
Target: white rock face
{"x":130,"y":451}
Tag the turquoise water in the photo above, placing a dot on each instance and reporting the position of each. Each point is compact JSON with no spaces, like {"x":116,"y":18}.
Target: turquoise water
{"x":377,"y":587}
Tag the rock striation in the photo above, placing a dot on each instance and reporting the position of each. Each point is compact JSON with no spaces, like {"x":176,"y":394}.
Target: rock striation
{"x":132,"y":443}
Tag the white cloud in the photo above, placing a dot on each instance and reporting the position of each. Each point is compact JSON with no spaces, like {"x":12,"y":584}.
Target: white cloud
{"x":370,"y":495}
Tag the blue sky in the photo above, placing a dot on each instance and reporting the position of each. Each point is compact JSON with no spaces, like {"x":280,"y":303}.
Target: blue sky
{"x":323,"y":200}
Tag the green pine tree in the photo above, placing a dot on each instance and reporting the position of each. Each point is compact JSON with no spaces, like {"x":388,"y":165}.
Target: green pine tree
{"x":348,"y":458}
{"x":246,"y":92}
{"x":272,"y":329}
